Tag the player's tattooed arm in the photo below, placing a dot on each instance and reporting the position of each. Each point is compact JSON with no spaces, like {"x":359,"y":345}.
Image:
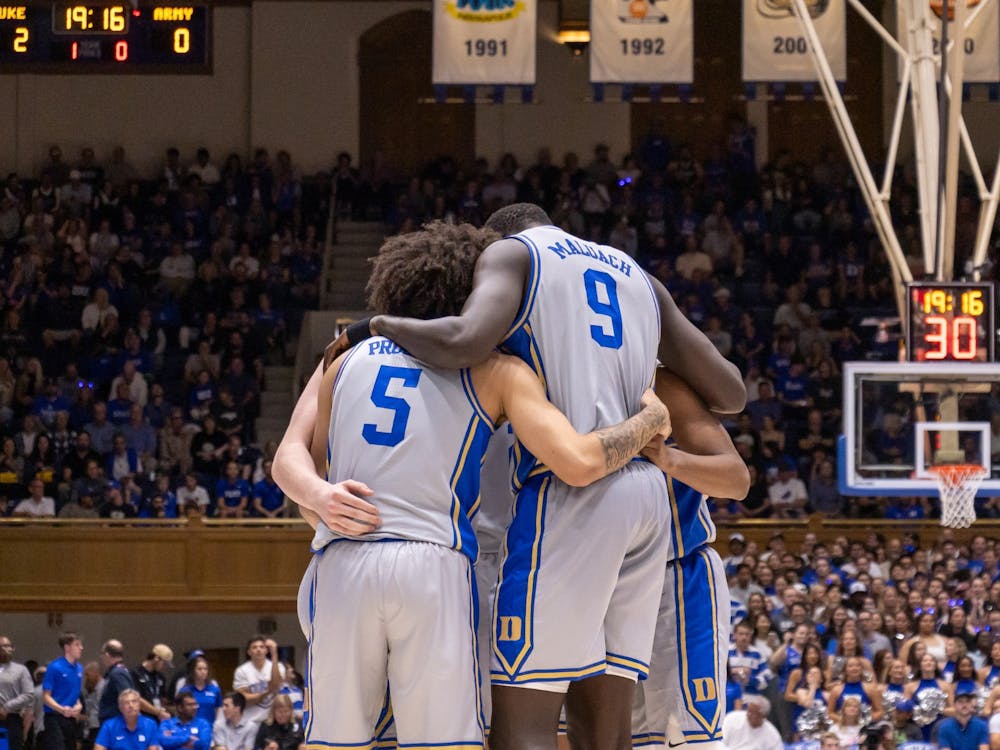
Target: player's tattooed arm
{"x":545,"y":431}
{"x":622,"y":442}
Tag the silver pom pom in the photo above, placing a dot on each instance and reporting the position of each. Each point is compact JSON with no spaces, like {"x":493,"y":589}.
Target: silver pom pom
{"x":930,"y":704}
{"x":866,"y":715}
{"x":889,"y":700}
{"x":982,"y":695}
{"x":813,"y":722}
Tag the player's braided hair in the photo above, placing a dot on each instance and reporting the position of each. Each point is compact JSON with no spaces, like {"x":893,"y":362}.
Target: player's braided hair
{"x":428,"y":273}
{"x":516,"y":218}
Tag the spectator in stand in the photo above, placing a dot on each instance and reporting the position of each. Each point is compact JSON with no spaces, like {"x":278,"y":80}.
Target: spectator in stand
{"x":232,"y":494}
{"x":204,"y":169}
{"x":130,"y":730}
{"x":37,"y":504}
{"x":192,"y":493}
{"x":198,"y":682}
{"x":280,"y":727}
{"x":116,"y":507}
{"x":47,"y":405}
{"x":259,"y":679}
{"x":268,"y":499}
{"x":964,"y":730}
{"x":137,"y":389}
{"x":120,"y":406}
{"x":123,"y":462}
{"x":749,"y":729}
{"x":151,"y":682}
{"x":100,"y":430}
{"x":788,"y":495}
{"x":187,"y":730}
{"x":117,"y":679}
{"x":233,"y":731}
{"x":140,"y":437}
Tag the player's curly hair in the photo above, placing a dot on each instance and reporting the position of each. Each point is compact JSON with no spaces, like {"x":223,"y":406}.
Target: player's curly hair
{"x":516,"y":218}
{"x":428,"y":273}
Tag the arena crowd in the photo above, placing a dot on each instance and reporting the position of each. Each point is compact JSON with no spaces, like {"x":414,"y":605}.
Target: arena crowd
{"x":139,"y":311}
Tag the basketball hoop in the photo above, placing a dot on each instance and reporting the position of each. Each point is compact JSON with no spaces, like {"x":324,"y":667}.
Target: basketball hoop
{"x":957,"y":486}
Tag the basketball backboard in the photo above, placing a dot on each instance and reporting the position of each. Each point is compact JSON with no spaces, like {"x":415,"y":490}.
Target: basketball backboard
{"x":902,"y":418}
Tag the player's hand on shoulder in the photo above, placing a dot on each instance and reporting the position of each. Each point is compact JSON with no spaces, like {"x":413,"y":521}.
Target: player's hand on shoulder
{"x":651,"y":401}
{"x":334,"y":349}
{"x":344,"y":510}
{"x":353,"y":334}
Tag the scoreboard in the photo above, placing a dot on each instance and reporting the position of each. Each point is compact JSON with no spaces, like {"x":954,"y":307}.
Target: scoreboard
{"x":950,"y":322}
{"x":106,"y":36}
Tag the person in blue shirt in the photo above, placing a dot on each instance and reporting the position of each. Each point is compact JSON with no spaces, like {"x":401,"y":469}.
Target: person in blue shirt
{"x":198,"y":682}
{"x":61,"y":695}
{"x":186,"y":730}
{"x":130,"y":730}
{"x":268,"y":499}
{"x":232,"y":494}
{"x":964,"y":730}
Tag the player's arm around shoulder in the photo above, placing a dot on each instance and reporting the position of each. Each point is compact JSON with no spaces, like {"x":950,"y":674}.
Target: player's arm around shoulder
{"x":705,"y":457}
{"x":516,"y":394}
{"x":468,"y":339}
{"x":686,"y":351}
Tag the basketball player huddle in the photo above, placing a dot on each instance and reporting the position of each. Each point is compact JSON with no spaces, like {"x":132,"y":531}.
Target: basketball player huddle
{"x":510,"y":524}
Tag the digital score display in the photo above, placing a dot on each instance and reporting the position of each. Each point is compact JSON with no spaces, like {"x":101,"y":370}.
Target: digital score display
{"x":950,"y":322}
{"x":107,"y":36}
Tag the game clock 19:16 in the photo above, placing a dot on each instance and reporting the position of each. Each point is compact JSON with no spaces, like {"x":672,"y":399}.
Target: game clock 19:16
{"x":950,"y":322}
{"x":73,"y":18}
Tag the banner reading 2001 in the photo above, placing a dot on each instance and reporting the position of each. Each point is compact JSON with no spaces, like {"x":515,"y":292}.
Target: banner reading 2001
{"x":775,"y":48}
{"x":641,"y":41}
{"x":484,"y":41}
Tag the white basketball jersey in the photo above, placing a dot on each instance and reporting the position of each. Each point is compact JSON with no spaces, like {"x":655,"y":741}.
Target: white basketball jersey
{"x":414,"y":435}
{"x":590,"y":310}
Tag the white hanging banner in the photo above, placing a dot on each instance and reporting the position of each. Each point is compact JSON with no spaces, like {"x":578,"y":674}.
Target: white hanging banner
{"x":485,"y":41}
{"x":641,"y":41}
{"x":775,"y":48}
{"x":982,"y":44}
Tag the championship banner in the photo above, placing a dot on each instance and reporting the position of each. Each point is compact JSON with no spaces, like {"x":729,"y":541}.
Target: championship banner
{"x":775,"y":48}
{"x":982,"y":44}
{"x":485,"y":41}
{"x":641,"y":41}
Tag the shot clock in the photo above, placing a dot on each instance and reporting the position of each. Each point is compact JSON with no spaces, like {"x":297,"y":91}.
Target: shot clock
{"x":950,"y":322}
{"x":105,"y":36}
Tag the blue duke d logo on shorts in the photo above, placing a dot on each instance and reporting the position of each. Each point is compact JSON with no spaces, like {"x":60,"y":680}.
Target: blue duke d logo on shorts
{"x":512,"y":617}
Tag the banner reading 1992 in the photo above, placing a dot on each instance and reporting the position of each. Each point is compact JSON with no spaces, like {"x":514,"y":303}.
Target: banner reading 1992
{"x":484,"y":41}
{"x":641,"y":41}
{"x":775,"y":48}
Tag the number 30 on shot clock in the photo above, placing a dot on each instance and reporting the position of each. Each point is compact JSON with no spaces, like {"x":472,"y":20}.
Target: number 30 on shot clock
{"x":950,"y":322}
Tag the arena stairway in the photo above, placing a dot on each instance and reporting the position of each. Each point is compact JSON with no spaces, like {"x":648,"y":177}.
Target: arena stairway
{"x":342,"y":297}
{"x":346,"y":266}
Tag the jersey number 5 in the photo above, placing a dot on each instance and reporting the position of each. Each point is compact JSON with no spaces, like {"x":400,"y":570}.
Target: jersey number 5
{"x":592,"y":278}
{"x":400,"y":409}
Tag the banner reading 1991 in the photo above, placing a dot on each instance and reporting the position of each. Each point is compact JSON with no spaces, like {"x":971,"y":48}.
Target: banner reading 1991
{"x":775,"y":48}
{"x":484,"y":41}
{"x":641,"y":41}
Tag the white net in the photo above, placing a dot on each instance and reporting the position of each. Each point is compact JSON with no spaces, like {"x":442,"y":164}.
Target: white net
{"x":957,"y":485}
